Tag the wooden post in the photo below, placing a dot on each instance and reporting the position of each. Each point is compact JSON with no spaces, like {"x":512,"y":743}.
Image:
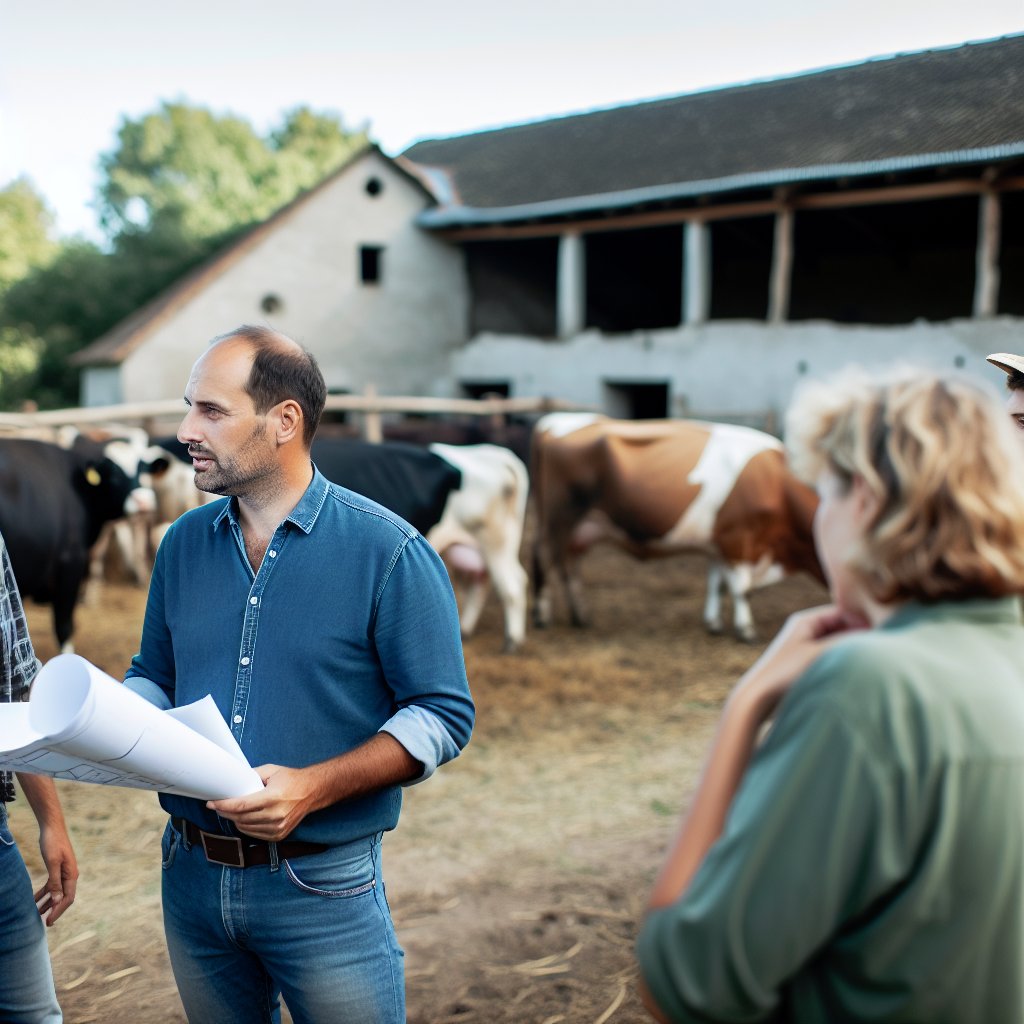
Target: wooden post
{"x":696,"y":272}
{"x":571,"y":312}
{"x":373,"y":430}
{"x":782,"y":267}
{"x":986,"y":276}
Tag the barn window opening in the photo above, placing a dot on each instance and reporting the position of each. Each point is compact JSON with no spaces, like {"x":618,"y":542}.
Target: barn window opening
{"x":374,"y":187}
{"x":486,"y":389}
{"x":1011,"y":256}
{"x":636,"y":400}
{"x":741,"y":261}
{"x":634,"y":279}
{"x":887,"y":264}
{"x":370,"y":263}
{"x":513,"y":286}
{"x":271,"y":303}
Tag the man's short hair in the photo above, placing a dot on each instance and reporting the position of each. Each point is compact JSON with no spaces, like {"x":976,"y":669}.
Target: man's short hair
{"x":282,"y":369}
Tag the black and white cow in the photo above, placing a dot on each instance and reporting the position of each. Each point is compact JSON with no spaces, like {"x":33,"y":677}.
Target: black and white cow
{"x":469,"y":501}
{"x":54,"y":501}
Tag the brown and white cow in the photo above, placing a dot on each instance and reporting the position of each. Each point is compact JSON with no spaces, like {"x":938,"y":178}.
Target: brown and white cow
{"x":661,"y":487}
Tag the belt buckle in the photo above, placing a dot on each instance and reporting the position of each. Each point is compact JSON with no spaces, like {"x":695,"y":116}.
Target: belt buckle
{"x":233,"y":843}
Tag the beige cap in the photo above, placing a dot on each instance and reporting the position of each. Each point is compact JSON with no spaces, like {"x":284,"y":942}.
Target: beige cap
{"x":1007,"y":362}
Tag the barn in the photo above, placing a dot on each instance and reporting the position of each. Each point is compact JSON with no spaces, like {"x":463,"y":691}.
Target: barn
{"x":695,"y":255}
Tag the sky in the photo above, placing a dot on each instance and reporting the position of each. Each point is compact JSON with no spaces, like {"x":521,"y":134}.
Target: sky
{"x":71,"y":72}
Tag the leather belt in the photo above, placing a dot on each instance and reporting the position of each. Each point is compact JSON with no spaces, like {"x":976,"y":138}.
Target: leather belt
{"x":241,"y":851}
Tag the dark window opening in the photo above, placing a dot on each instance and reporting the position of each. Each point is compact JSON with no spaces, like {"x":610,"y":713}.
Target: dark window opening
{"x":636,"y":400}
{"x":374,"y":187}
{"x":513,"y":286}
{"x":634,"y":279}
{"x":886,"y":264}
{"x":1011,"y":256}
{"x":741,"y":263}
{"x":370,"y":260}
{"x":271,"y":303}
{"x":486,"y":389}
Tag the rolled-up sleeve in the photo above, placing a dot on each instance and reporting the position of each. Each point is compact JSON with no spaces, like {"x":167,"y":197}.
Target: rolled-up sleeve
{"x":420,"y":648}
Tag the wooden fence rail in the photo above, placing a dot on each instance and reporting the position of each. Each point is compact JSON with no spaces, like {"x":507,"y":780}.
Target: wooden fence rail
{"x":369,"y":405}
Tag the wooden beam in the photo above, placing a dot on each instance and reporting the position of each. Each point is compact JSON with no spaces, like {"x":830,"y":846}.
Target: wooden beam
{"x":782,"y":266}
{"x":735,"y":210}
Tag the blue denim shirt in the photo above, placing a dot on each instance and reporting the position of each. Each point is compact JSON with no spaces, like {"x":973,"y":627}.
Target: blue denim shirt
{"x":349,"y":627}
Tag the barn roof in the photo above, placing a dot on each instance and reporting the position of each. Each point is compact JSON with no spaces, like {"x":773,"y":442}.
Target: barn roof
{"x":957,"y":105}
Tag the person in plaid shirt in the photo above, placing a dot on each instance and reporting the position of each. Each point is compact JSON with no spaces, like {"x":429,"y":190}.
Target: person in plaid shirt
{"x":27,"y":991}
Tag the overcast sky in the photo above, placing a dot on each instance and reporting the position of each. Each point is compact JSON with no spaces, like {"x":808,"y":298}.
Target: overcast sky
{"x":70,"y":71}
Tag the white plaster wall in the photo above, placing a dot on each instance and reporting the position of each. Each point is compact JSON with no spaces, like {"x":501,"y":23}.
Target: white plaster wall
{"x":397,"y":335}
{"x":730,"y":369}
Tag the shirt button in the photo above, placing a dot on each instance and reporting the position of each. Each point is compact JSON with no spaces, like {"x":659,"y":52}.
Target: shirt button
{"x":253,"y":600}
{"x":273,"y":554}
{"x":237,"y":719}
{"x":245,"y":661}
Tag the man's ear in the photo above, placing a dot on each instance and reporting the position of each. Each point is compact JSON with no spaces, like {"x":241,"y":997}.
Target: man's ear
{"x":288,"y":415}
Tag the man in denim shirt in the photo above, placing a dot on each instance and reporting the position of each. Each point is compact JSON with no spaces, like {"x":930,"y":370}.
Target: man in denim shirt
{"x":326,"y":630}
{"x":27,"y":994}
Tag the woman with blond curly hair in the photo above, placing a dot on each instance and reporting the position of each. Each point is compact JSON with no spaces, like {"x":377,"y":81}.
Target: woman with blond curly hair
{"x":862,"y":859}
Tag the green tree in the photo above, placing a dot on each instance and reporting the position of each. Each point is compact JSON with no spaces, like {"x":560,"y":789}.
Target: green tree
{"x":310,"y":146}
{"x":185,"y":173}
{"x":26,"y":227}
{"x":180,"y":182}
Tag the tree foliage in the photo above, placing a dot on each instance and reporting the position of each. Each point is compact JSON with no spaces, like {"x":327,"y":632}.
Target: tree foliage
{"x":26,"y":227}
{"x":180,"y":182}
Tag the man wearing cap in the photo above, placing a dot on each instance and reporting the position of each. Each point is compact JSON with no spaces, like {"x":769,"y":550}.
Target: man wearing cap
{"x":1013,"y":367}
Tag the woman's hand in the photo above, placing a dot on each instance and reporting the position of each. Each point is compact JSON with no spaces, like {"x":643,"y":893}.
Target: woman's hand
{"x":804,"y":637}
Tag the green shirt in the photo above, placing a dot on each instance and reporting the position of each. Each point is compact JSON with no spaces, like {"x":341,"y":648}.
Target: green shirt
{"x":871,"y":867}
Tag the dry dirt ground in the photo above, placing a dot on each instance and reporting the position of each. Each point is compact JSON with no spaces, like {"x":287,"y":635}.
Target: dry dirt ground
{"x":518,"y":873}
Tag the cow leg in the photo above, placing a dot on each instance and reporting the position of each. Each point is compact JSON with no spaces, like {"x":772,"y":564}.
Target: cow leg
{"x":64,"y":612}
{"x":713,"y":621}
{"x":541,"y":586}
{"x":97,"y":561}
{"x":579,"y":614}
{"x":473,"y":597}
{"x":740,"y":582}
{"x":511,"y":585}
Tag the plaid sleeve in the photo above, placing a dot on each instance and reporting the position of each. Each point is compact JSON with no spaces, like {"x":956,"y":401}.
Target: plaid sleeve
{"x":18,"y":662}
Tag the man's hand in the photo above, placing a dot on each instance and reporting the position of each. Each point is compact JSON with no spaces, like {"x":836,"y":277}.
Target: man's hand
{"x":275,"y":811}
{"x":58,"y":893}
{"x":804,"y":637}
{"x":291,"y":793}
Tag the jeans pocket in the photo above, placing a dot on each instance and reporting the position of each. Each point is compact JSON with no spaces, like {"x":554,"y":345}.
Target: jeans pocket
{"x":169,"y":847}
{"x":340,"y":872}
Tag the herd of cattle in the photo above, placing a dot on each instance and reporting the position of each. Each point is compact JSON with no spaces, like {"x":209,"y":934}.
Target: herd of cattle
{"x":653,"y":487}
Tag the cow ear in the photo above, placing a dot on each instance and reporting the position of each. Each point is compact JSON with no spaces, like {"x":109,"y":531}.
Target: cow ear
{"x":92,"y":476}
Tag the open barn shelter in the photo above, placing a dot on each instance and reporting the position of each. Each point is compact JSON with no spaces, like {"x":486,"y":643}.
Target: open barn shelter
{"x":694,"y":255}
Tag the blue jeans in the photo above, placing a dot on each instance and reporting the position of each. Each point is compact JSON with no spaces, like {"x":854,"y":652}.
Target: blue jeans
{"x":27,"y":994}
{"x":315,"y":930}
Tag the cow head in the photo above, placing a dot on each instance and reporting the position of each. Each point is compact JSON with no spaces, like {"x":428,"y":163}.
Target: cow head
{"x":111,"y":476}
